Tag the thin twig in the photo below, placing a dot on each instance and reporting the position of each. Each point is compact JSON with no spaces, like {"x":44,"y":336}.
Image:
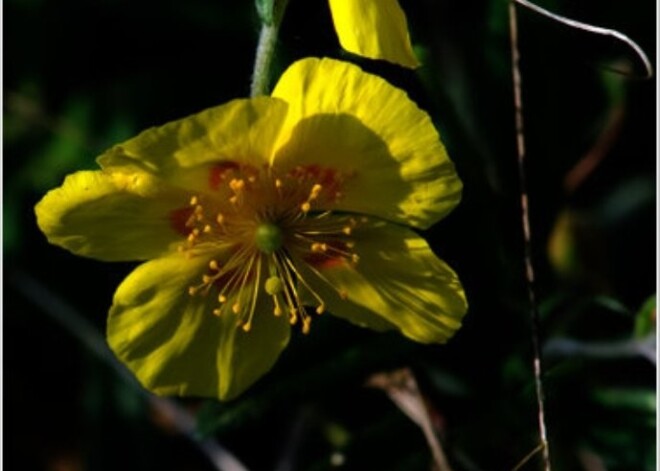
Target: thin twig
{"x":524,"y":202}
{"x":76,"y":324}
{"x":528,"y":457}
{"x":595,"y":30}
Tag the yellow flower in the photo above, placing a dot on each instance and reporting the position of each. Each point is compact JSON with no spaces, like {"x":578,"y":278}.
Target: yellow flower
{"x":376,"y":29}
{"x":249,"y":211}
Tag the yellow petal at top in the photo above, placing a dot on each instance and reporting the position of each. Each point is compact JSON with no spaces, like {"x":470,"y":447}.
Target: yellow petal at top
{"x":386,"y":150}
{"x":375,"y":29}
{"x":110,"y":216}
{"x":173,"y":342}
{"x":242,"y":130}
{"x":397,"y":283}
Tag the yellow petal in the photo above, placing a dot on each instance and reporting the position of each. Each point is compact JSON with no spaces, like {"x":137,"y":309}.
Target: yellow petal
{"x":110,"y":216}
{"x":376,"y":29}
{"x":174,"y":344}
{"x":391,"y":156}
{"x":397,"y":283}
{"x":242,"y":130}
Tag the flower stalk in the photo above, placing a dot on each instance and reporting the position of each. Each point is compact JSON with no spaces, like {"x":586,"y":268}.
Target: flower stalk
{"x":271,"y":13}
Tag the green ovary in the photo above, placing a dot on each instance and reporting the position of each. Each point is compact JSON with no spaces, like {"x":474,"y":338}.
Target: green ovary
{"x":268,"y":238}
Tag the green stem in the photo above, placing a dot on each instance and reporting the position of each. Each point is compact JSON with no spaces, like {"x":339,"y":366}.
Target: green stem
{"x":266,"y":50}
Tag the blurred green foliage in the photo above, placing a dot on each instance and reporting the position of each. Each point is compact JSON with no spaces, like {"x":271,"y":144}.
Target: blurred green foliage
{"x":80,"y":77}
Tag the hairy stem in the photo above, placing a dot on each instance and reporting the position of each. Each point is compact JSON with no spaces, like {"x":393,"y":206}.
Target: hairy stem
{"x":266,"y":49}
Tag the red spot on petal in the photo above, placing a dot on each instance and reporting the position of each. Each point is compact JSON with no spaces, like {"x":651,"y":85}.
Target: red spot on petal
{"x":323,"y":261}
{"x":179,"y":218}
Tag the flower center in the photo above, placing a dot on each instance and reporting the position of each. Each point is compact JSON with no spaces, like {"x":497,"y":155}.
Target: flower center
{"x":268,"y":238}
{"x":262,"y":227}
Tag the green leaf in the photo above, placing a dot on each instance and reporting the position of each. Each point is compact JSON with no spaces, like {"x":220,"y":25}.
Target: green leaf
{"x":634,"y":400}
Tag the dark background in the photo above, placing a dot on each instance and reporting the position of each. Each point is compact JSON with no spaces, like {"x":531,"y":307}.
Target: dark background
{"x":81,"y":76}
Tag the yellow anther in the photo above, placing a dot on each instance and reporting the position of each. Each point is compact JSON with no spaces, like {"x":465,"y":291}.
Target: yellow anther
{"x":207,"y":279}
{"x":233,"y":199}
{"x":214,"y":265}
{"x":192,"y":290}
{"x":199,"y":209}
{"x":320,"y":309}
{"x":222,"y":299}
{"x":217,"y":312}
{"x":195,"y":232}
{"x":306,"y":325}
{"x":220,"y":218}
{"x":347,"y":230}
{"x":355,"y":258}
{"x":191,"y":237}
{"x":277,"y":311}
{"x":319,"y":247}
{"x":293,"y":319}
{"x":236,"y":308}
{"x":194,"y":200}
{"x":247,"y":326}
{"x":343,"y":295}
{"x":237,"y":184}
{"x":305,"y":207}
{"x":278,"y":183}
{"x":350,"y":244}
{"x":316,"y":189}
{"x":207,"y":229}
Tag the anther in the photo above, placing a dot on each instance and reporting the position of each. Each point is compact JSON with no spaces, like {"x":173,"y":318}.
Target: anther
{"x":319,"y":247}
{"x":237,"y":184}
{"x":214,"y":265}
{"x":307,"y":322}
{"x":217,"y":312}
{"x":194,"y":200}
{"x":192,"y":290}
{"x":236,"y":308}
{"x":207,"y":229}
{"x":222,"y":299}
{"x":247,"y":326}
{"x":316,"y":189}
{"x":220,"y":218}
{"x":320,"y":309}
{"x":305,"y":207}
